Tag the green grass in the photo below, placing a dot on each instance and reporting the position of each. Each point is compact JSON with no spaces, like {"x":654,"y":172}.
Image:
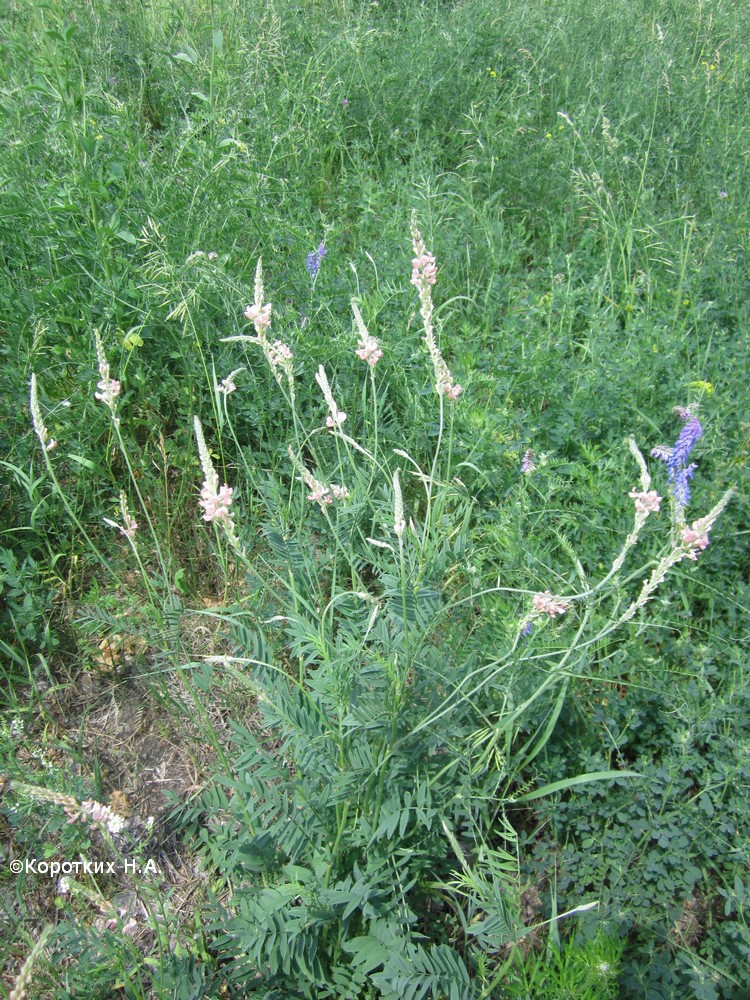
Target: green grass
{"x":578,"y":172}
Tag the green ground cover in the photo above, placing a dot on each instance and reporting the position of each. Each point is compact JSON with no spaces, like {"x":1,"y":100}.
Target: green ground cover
{"x":422,"y":704}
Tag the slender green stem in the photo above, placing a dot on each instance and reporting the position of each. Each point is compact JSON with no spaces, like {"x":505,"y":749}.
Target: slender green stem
{"x":433,"y":472}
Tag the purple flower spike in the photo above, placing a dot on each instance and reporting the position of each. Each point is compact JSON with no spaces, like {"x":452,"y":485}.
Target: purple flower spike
{"x":676,"y":458}
{"x":314,"y":258}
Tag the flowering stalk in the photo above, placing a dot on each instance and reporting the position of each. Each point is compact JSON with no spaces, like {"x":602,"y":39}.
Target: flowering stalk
{"x":259,"y":313}
{"x":129,"y":526}
{"x":399,"y":521}
{"x":369,"y":352}
{"x":99,"y":814}
{"x":23,"y":979}
{"x":43,"y":435}
{"x":110,"y":389}
{"x":368,"y":349}
{"x":689,"y":543}
{"x":336,"y":417}
{"x":320,"y":493}
{"x":277,"y":354}
{"x":423,"y":277}
{"x":215,"y":500}
{"x":36,"y":418}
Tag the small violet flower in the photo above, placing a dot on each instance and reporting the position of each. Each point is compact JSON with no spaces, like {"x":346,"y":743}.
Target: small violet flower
{"x":314,"y":258}
{"x":527,"y":462}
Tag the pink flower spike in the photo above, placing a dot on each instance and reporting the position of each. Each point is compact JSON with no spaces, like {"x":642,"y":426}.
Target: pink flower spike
{"x":369,"y":351}
{"x":260,"y":317}
{"x":547,"y":604}
{"x":109,"y":388}
{"x":424,"y":270}
{"x":645,"y":503}
{"x":321,"y":495}
{"x":695,"y":540}
{"x":216,"y":504}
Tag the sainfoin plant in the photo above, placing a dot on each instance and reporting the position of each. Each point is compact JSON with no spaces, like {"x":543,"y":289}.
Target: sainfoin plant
{"x":365,"y":835}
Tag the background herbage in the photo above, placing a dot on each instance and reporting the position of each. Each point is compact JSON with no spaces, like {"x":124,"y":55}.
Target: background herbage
{"x":579,"y":173}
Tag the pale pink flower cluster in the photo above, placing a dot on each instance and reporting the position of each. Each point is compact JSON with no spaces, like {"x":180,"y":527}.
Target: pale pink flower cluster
{"x":423,"y":276}
{"x":108,"y":387}
{"x":98,"y":814}
{"x":319,"y":492}
{"x":277,"y":354}
{"x":368,"y":349}
{"x":325,"y":495}
{"x":129,"y":525}
{"x":547,"y":604}
{"x":423,"y":268}
{"x":687,"y":545}
{"x":215,"y":500}
{"x":227,"y":385}
{"x":42,"y":433}
{"x":279,"y":357}
{"x":216,"y":503}
{"x":646,"y":502}
{"x":260,"y":317}
{"x":336,"y":417}
{"x":695,"y":538}
{"x":258,"y":313}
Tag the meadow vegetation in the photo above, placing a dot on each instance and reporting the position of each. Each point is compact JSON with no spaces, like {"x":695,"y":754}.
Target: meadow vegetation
{"x":373,"y":464}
